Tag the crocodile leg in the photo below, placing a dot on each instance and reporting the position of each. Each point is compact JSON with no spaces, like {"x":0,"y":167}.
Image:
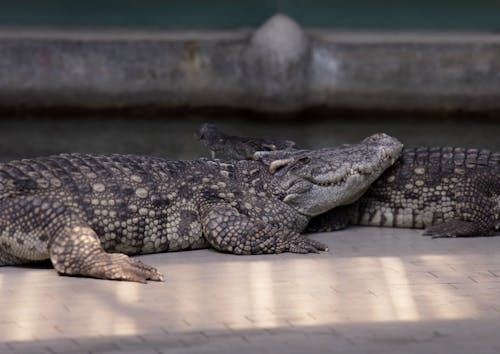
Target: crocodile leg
{"x":76,"y":250}
{"x":477,"y":208}
{"x":37,"y":228}
{"x":230,"y":231}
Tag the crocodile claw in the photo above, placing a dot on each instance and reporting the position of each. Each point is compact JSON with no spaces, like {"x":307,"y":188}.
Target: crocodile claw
{"x":305,"y":245}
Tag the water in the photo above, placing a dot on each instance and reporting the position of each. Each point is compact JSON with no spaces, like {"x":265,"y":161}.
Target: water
{"x":174,"y":137}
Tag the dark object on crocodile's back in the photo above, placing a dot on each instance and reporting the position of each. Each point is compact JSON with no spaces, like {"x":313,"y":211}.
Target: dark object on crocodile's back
{"x":238,"y":148}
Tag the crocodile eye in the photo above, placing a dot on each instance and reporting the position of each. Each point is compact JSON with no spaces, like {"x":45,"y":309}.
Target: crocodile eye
{"x":300,"y":161}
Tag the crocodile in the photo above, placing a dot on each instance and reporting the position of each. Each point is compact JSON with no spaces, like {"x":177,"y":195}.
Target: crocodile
{"x":89,"y":213}
{"x":448,"y":191}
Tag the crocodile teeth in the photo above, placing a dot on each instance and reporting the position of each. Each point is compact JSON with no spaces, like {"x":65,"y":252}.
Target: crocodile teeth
{"x":351,"y":172}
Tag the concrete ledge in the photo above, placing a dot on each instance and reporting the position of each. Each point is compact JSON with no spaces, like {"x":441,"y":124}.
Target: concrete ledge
{"x":278,"y":68}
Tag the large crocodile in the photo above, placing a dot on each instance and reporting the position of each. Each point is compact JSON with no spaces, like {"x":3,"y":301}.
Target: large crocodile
{"x":449,"y":191}
{"x":79,"y":210}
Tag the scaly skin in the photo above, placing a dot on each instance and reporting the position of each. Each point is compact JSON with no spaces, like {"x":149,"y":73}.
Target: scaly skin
{"x":451,"y":192}
{"x":88,"y":213}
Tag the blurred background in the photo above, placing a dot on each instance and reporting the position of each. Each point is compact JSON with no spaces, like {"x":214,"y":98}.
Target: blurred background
{"x":141,"y":76}
{"x":354,"y":14}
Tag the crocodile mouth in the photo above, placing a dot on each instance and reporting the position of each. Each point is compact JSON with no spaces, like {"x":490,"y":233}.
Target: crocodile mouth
{"x":339,"y":181}
{"x":340,"y":188}
{"x":306,"y":183}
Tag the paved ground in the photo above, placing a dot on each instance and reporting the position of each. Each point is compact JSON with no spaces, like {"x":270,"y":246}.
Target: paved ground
{"x":376,"y":291}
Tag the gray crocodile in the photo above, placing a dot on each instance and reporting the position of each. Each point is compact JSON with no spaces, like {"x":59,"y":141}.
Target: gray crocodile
{"x":451,"y":192}
{"x":88,"y":213}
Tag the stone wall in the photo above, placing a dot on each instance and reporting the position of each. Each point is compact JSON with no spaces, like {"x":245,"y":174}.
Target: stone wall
{"x":279,"y":67}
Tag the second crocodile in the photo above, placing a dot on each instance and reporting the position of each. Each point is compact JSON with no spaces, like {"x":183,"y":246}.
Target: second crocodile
{"x":449,"y":191}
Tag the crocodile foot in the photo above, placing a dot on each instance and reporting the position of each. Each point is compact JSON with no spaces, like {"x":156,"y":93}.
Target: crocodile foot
{"x":77,"y":251}
{"x":306,"y":245}
{"x":457,"y":228}
{"x":118,"y":266}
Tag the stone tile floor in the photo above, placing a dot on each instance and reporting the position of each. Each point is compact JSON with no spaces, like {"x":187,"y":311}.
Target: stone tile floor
{"x":376,"y":291}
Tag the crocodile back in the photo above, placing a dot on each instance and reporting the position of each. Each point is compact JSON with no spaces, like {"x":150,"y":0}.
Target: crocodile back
{"x":84,"y":172}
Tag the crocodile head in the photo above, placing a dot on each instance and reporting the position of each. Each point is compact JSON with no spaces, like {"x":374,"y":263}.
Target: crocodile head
{"x":315,"y":181}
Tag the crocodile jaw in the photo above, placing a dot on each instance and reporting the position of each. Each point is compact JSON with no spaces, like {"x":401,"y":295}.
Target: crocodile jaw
{"x":345,"y":174}
{"x":318,"y":199}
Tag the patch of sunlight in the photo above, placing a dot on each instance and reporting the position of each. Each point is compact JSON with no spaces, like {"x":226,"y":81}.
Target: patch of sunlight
{"x":402,"y":304}
{"x":127,"y":293}
{"x":262,"y":294}
{"x":26,"y":312}
{"x":236,"y":292}
{"x":106,"y":320}
{"x":381,"y":308}
{"x":311,"y":278}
